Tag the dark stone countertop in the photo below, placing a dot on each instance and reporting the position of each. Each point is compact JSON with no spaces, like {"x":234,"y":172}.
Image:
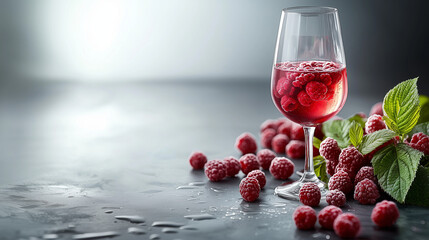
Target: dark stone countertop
{"x":75,"y":155}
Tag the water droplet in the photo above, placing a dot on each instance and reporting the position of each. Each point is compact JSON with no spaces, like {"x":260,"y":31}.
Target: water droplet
{"x":217,"y":190}
{"x":169,"y":230}
{"x":328,"y":236}
{"x":137,"y":231}
{"x":197,"y":184}
{"x":318,"y":235}
{"x":154,"y":236}
{"x":131,"y":219}
{"x":186,"y":187}
{"x":422,"y":222}
{"x":110,"y":208}
{"x":279,"y":204}
{"x":187,"y":227}
{"x":198,"y":217}
{"x":50,"y":236}
{"x":85,"y":236}
{"x":166,"y":224}
{"x":108,"y":211}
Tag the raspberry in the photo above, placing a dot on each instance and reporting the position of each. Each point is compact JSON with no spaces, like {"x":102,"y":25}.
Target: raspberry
{"x":315,"y":152}
{"x":246,"y":143}
{"x":365,"y":172}
{"x":292,"y":76}
{"x":249,"y":189}
{"x":215,"y":170}
{"x":385,"y":213}
{"x":285,"y":127}
{"x":288,"y":104}
{"x":281,"y":168}
{"x":304,"y":217}
{"x":304,"y":99}
{"x":330,"y":150}
{"x":340,"y":181}
{"x":326,"y":78}
{"x":197,"y":160}
{"x":374,"y":123}
{"x":377,"y":109}
{"x":249,"y":162}
{"x":336,"y":198}
{"x":420,"y":141}
{"x":295,"y":149}
{"x":260,"y":176}
{"x":347,"y":225}
{"x":297,"y":132}
{"x":269,"y":123}
{"x":330,"y":167}
{"x":232,"y":166}
{"x":316,"y":90}
{"x":283,"y":86}
{"x":309,"y":194}
{"x":350,"y":160}
{"x":279,"y":143}
{"x":328,"y":215}
{"x":303,"y":79}
{"x":366,"y":192}
{"x":265,"y":156}
{"x":318,"y":132}
{"x":267,"y":137}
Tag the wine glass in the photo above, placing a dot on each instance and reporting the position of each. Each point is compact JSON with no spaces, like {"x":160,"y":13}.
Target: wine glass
{"x":309,"y":79}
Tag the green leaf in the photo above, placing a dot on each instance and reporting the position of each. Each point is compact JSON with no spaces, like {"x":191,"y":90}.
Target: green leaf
{"x":356,"y":134}
{"x":424,"y":109}
{"x":419,"y":191}
{"x":401,"y":107}
{"x":338,"y":130}
{"x":357,"y":118}
{"x":320,"y":168}
{"x":422,"y":127}
{"x":371,"y":141}
{"x":316,"y":142}
{"x":395,"y":168}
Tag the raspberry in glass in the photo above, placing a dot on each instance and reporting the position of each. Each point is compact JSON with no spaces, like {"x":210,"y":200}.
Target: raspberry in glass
{"x":288,"y":103}
{"x":340,"y":181}
{"x":295,"y":149}
{"x":232,"y":166}
{"x":374,"y":123}
{"x":309,"y":194}
{"x":385,"y":213}
{"x":197,"y":160}
{"x":336,"y":198}
{"x":304,"y":99}
{"x":316,"y":90}
{"x":249,"y":189}
{"x":215,"y":170}
{"x":282,"y":168}
{"x":246,"y":143}
{"x":304,"y":217}
{"x":249,"y":162}
{"x":260,"y":176}
{"x":279,"y":143}
{"x":420,"y":141}
{"x":347,"y":225}
{"x":328,"y":215}
{"x":366,"y":192}
{"x":265,"y":157}
{"x":267,"y":137}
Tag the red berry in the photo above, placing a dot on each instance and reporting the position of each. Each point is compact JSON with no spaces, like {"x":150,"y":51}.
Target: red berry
{"x":366,"y":192}
{"x":328,"y":215}
{"x":326,"y":78}
{"x":302,"y":79}
{"x":304,"y":217}
{"x":374,"y":123}
{"x":249,"y":189}
{"x":265,"y":156}
{"x":318,"y":132}
{"x":288,"y":104}
{"x":197,"y":160}
{"x":385,"y":213}
{"x":420,"y":141}
{"x":297,"y":132}
{"x":281,"y":168}
{"x":295,"y":149}
{"x":279,"y":143}
{"x":377,"y":109}
{"x":350,"y":160}
{"x":267,"y":137}
{"x":347,"y":225}
{"x":304,"y":99}
{"x":316,"y":90}
{"x":283,"y":86}
{"x":309,"y":194}
{"x":365,"y":172}
{"x":232,"y":166}
{"x":246,"y":143}
{"x":330,"y":150}
{"x":285,"y":127}
{"x":269,"y":123}
{"x":260,"y":176}
{"x":336,"y":198}
{"x":215,"y":170}
{"x":340,"y":181}
{"x":249,"y":162}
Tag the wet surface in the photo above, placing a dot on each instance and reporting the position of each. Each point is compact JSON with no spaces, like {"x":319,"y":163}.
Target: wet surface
{"x":90,"y":161}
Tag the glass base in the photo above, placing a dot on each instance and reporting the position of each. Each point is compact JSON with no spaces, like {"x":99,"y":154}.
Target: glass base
{"x":291,"y":190}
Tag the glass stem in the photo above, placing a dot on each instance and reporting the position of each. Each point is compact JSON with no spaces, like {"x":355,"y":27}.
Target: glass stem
{"x":309,"y":133}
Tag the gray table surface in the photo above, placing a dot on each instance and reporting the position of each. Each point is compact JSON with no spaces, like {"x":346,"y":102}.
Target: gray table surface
{"x":69,"y":152}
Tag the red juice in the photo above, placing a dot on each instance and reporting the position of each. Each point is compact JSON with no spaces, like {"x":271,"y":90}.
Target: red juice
{"x":309,"y":92}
